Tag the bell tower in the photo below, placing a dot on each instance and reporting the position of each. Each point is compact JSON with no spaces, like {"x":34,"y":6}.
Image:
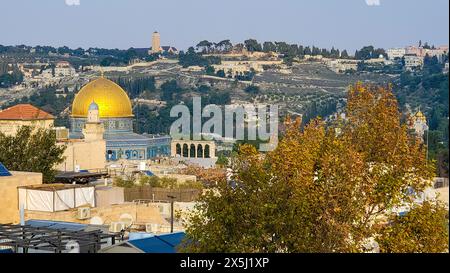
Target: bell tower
{"x":156,"y":43}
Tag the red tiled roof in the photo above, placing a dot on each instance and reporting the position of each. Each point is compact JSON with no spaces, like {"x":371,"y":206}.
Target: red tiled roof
{"x":24,"y":112}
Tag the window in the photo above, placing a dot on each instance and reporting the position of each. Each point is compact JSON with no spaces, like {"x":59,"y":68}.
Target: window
{"x":185,"y":150}
{"x":192,"y":151}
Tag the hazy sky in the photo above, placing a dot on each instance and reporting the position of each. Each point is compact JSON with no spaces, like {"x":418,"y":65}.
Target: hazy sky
{"x":129,"y":23}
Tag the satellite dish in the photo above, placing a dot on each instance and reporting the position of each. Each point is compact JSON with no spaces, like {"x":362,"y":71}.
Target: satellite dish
{"x":127,"y":219}
{"x":73,"y":246}
{"x":96,"y":221}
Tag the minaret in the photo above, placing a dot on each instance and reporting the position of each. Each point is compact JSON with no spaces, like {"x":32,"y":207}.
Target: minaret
{"x":93,"y":128}
{"x":156,"y":43}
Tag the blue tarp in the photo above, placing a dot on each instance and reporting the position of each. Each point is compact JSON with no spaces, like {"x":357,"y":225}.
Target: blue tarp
{"x":172,"y":238}
{"x":149,"y":173}
{"x":166,"y":243}
{"x":4,"y":171}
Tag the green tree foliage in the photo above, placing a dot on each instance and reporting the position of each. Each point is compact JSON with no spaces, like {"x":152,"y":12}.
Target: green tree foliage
{"x":204,"y":46}
{"x":32,"y":151}
{"x":369,"y":52}
{"x":252,"y":45}
{"x":47,"y":100}
{"x":136,"y":86}
{"x":429,"y":92}
{"x":123,"y":183}
{"x":424,"y":229}
{"x":192,"y":58}
{"x":269,"y":46}
{"x":162,"y":182}
{"x":222,"y":160}
{"x":203,"y":89}
{"x":323,"y":189}
{"x":307,"y":51}
{"x":320,"y":109}
{"x":344,"y":54}
{"x":9,"y":79}
{"x":245,"y":76}
{"x":169,"y":89}
{"x":220,"y":73}
{"x":431,"y":65}
{"x":116,"y":57}
{"x":209,"y":70}
{"x":315,"y":51}
{"x":153,"y":122}
{"x":152,"y":181}
{"x":224,"y":46}
{"x":252,"y":89}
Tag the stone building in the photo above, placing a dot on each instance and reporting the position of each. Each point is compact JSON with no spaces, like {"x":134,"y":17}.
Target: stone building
{"x":157,"y":48}
{"x":193,"y":149}
{"x":418,"y":123}
{"x":12,"y":118}
{"x":156,"y":43}
{"x":87,"y":153}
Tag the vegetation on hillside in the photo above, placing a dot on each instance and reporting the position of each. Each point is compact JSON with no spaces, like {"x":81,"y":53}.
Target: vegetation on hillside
{"x":428,"y":91}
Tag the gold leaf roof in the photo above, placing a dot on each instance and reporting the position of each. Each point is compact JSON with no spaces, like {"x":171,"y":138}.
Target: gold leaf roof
{"x":112,"y":100}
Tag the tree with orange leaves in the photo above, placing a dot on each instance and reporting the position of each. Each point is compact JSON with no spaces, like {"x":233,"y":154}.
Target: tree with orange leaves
{"x":326,"y":188}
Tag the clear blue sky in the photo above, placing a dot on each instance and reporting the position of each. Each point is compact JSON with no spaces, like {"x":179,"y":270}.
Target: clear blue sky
{"x":129,"y":23}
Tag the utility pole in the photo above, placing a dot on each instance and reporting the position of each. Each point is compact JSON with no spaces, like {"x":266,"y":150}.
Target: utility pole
{"x":427,"y":145}
{"x":428,"y":129}
{"x":171,"y":212}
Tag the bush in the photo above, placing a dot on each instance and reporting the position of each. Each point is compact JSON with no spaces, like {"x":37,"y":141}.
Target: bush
{"x":123,"y":183}
{"x":152,"y":181}
{"x":191,"y":184}
{"x":252,"y":89}
{"x":168,"y":183}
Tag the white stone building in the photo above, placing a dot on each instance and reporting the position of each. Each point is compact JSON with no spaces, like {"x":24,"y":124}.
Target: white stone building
{"x":394,"y":53}
{"x":413,"y":62}
{"x":64,"y":69}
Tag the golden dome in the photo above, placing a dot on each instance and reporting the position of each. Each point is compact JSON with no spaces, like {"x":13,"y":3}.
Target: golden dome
{"x":111,"y":99}
{"x":420,"y":116}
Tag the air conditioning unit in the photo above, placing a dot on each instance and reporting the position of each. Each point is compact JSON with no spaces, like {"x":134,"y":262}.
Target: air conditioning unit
{"x":84,"y":213}
{"x":117,"y":226}
{"x":151,"y":228}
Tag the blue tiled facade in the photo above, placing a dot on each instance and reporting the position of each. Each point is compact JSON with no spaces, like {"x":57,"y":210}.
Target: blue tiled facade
{"x":123,"y":143}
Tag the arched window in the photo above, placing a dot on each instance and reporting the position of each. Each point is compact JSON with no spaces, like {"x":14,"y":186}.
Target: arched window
{"x":192,"y":151}
{"x":185,"y":150}
{"x":178,"y":149}
{"x":207,"y":151}
{"x":199,"y":151}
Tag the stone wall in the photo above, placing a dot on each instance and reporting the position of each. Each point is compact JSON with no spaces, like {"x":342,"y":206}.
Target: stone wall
{"x":10,"y":127}
{"x":141,"y":213}
{"x":160,"y":194}
{"x":88,"y":155}
{"x":9,"y":208}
